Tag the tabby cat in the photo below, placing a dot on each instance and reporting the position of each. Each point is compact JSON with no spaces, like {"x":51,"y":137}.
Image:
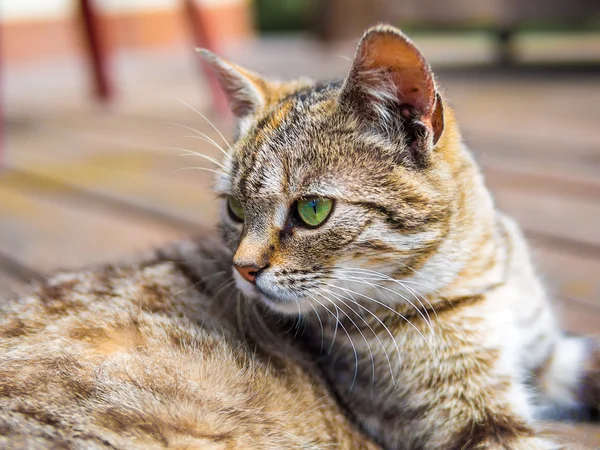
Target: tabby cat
{"x":356,"y":205}
{"x":151,"y":356}
{"x":353,"y":205}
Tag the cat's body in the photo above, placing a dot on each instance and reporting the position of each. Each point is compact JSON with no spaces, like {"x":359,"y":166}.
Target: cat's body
{"x":151,"y":356}
{"x":357,"y":205}
{"x":483,"y":361}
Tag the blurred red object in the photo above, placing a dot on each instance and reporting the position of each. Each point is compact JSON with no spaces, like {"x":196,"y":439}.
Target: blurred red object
{"x":203,"y":39}
{"x":97,"y":51}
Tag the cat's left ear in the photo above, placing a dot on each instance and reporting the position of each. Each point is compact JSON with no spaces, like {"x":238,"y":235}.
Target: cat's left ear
{"x":393,"y":88}
{"x":246,"y":91}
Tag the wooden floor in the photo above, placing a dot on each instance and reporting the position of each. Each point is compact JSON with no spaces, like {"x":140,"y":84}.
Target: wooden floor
{"x":83,"y":185}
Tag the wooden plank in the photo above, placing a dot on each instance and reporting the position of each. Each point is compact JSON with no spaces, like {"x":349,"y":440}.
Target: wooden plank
{"x":534,"y":156}
{"x":567,"y":275}
{"x":573,"y":218}
{"x":57,"y":190}
{"x":540,"y":122}
{"x":85,"y":130}
{"x":140,"y":179}
{"x":49,"y":235}
{"x":126,"y":171}
{"x":518,"y":176}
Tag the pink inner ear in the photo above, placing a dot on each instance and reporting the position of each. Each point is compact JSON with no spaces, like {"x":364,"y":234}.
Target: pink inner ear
{"x":394,"y":55}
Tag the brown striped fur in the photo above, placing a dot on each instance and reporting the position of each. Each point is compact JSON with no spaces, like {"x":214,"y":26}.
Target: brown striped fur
{"x":160,"y":354}
{"x":419,"y":296}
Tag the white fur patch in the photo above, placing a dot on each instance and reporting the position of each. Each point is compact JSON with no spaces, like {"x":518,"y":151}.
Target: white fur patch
{"x":563,"y":374}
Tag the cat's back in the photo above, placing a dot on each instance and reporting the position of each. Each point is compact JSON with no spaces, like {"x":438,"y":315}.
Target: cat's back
{"x":150,"y":356}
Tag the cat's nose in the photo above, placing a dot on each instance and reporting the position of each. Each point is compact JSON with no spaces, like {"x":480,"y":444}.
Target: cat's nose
{"x":249,"y":273}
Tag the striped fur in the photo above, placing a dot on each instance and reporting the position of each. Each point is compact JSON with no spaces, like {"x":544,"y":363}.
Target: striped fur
{"x":418,"y":294}
{"x":157,"y":355}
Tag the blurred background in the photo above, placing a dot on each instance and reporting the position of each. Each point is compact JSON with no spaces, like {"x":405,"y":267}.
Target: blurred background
{"x":99,"y":97}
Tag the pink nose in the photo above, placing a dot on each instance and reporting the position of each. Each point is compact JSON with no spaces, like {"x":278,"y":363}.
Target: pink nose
{"x":248,"y":273}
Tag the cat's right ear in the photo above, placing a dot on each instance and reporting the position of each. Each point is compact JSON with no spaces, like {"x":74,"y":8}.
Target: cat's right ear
{"x":392,"y":88}
{"x":246,"y":91}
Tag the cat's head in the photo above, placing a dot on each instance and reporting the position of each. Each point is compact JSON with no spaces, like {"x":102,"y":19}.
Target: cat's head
{"x":332,"y":188}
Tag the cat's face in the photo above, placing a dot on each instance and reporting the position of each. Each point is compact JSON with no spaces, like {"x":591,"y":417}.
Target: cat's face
{"x":331,"y":189}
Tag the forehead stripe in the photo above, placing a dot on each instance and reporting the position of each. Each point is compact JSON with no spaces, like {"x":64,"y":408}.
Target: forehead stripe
{"x":266,"y":129}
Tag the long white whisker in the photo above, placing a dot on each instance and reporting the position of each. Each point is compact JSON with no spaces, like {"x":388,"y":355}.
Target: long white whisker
{"x":345,"y":331}
{"x":321,"y":324}
{"x":387,"y":307}
{"x":203,"y":135}
{"x":385,"y":352}
{"x":191,"y":152}
{"x":417,"y":294}
{"x":209,"y":122}
{"x":414,"y":292}
{"x":373,"y":331}
{"x":425,"y":317}
{"x":299,"y":318}
{"x":200,"y":168}
{"x":357,"y":329}
{"x":404,"y":281}
{"x":205,"y":138}
{"x":335,"y":330}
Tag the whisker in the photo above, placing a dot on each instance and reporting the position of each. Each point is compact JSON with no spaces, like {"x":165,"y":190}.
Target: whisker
{"x":373,"y":331}
{"x":405,"y":281}
{"x":209,"y":122}
{"x":201,"y":280}
{"x":357,"y":329}
{"x":387,"y":307}
{"x":345,"y":331}
{"x":191,"y":152}
{"x":320,"y":324}
{"x":401,"y":283}
{"x":426,"y":319}
{"x":337,"y":321}
{"x":339,"y":298}
{"x":261,"y":323}
{"x":200,"y":168}
{"x":240,"y":315}
{"x":299,"y":321}
{"x":205,"y":138}
{"x":226,"y":304}
{"x":221,"y":289}
{"x":208,"y":138}
{"x":415,"y":293}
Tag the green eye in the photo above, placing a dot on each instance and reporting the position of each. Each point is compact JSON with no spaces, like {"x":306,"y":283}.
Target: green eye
{"x":314,"y":210}
{"x":235,"y":209}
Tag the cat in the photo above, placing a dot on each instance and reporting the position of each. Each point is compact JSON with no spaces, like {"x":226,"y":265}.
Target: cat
{"x":150,"y":355}
{"x":356,"y":205}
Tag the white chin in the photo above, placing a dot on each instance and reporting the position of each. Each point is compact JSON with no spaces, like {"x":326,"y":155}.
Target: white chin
{"x":293,"y":307}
